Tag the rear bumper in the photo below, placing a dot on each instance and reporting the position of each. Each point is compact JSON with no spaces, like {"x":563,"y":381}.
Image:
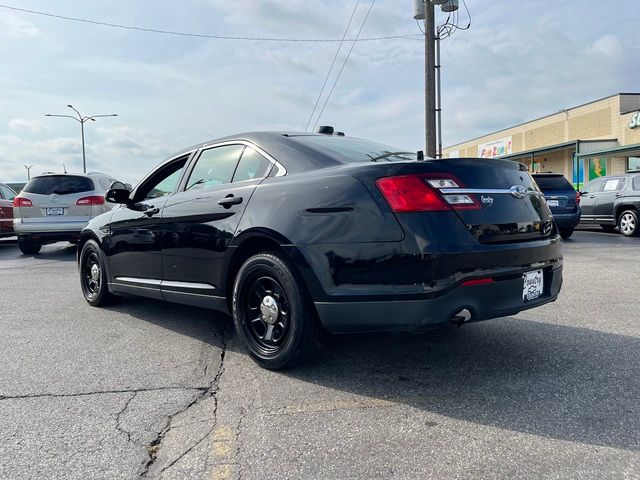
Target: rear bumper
{"x":44,"y":228}
{"x":49,"y":237}
{"x":566,"y":220}
{"x":502,"y":298}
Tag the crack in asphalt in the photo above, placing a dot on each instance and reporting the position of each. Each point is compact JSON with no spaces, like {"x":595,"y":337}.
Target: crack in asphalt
{"x":211,"y":391}
{"x":119,"y":415}
{"x":98,"y":392}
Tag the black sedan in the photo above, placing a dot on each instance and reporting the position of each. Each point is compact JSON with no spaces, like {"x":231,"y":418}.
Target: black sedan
{"x":295,"y":233}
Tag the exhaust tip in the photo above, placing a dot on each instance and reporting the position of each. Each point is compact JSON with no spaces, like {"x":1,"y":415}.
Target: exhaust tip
{"x":461,"y":317}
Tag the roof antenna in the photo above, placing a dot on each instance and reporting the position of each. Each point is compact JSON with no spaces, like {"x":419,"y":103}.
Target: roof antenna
{"x":64,"y":168}
{"x":420,"y":155}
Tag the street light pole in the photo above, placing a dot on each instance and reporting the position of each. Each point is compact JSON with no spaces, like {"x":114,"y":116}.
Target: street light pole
{"x":81,"y":120}
{"x":28,"y":167}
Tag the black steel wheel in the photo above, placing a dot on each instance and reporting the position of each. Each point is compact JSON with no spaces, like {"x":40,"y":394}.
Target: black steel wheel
{"x":629,"y":224}
{"x":93,"y":277}
{"x":272,"y":312}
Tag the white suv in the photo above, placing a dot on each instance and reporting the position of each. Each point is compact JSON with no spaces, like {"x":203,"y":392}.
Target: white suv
{"x":55,"y":207}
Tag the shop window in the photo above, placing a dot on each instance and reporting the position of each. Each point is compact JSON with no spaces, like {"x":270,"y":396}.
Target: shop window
{"x":633,"y":164}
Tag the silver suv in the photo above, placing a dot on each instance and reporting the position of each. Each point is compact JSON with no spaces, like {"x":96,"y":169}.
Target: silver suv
{"x":54,"y":207}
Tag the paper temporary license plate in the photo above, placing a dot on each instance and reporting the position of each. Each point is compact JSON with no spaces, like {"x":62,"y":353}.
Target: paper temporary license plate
{"x":533,"y":285}
{"x":553,"y":203}
{"x":55,"y":211}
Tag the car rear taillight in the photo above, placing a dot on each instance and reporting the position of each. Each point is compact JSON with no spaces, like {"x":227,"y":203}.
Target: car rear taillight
{"x":578,"y":198}
{"x":422,"y":193}
{"x":411,"y":193}
{"x":92,"y":200}
{"x":22,"y":202}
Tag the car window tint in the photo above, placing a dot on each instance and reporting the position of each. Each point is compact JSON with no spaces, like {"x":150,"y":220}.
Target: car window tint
{"x":613,"y":184}
{"x":6,"y":192}
{"x":593,"y":186}
{"x":252,"y":165}
{"x":163,"y":182}
{"x":347,"y":149}
{"x":214,"y":167}
{"x":552,"y":182}
{"x":59,"y":184}
{"x":636,"y":182}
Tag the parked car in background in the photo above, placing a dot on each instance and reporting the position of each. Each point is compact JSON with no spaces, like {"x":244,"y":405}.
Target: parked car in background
{"x":292,"y":232}
{"x":611,"y":202}
{"x":56,"y":207}
{"x":6,"y":211}
{"x":563,"y":200}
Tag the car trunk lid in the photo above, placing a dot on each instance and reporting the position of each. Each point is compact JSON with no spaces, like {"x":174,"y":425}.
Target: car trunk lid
{"x":503,"y":203}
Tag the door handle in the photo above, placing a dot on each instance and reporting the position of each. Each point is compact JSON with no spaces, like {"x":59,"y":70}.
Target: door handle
{"x":592,"y":196}
{"x":229,"y":200}
{"x":150,"y":212}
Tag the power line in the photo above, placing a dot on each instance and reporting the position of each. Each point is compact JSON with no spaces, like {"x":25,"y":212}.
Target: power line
{"x":333,"y":62}
{"x":202,"y":35}
{"x":344,"y":63}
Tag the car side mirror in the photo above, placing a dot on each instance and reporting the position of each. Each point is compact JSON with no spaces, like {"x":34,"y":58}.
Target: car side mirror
{"x":118,"y":193}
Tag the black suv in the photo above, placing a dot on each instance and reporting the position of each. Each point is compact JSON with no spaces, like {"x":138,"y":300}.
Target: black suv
{"x":563,"y":201}
{"x":612,"y":202}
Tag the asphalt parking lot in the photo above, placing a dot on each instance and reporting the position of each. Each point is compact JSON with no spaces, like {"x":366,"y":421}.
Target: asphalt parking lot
{"x":159,"y":390}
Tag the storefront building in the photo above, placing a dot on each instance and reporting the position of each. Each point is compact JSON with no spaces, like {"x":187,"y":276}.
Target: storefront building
{"x":592,"y":140}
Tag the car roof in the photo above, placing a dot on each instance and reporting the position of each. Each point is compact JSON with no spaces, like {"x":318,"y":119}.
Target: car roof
{"x":296,"y":157}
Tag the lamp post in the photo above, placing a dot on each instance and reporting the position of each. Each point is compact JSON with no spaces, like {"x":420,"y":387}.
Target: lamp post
{"x":81,"y":120}
{"x":28,"y":167}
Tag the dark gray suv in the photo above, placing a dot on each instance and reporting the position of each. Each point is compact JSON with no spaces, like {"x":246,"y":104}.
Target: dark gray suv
{"x":612,"y":202}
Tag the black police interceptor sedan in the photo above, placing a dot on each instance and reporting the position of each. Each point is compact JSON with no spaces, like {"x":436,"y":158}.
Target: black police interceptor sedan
{"x":296,"y":233}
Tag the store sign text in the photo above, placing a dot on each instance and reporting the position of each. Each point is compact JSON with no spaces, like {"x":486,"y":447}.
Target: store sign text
{"x":495,"y":149}
{"x":635,"y":120}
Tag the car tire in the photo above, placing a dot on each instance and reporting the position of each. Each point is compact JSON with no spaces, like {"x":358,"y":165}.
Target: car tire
{"x":93,"y":275}
{"x":566,"y":233}
{"x":28,"y":247}
{"x":628,"y":223}
{"x":608,"y":228}
{"x":273,"y":313}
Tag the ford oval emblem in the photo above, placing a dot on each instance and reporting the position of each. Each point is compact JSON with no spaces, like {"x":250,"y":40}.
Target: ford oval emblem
{"x":518,"y":191}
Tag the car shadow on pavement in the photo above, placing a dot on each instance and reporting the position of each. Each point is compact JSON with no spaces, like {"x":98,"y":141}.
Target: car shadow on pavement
{"x":554,"y":381}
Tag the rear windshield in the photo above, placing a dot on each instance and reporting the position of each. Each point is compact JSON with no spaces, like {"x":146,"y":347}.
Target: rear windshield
{"x":552,"y":182}
{"x":59,"y":184}
{"x":347,"y":149}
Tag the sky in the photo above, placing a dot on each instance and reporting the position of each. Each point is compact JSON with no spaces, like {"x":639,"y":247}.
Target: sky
{"x":518,"y":61}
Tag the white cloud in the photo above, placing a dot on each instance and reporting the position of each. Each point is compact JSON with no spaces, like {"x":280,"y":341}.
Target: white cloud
{"x":607,"y":45}
{"x":27,"y":125}
{"x":16,"y":26}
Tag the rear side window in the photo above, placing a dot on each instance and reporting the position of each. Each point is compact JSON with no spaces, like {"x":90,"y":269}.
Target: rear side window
{"x":252,"y":165}
{"x":636,"y":182}
{"x":613,"y":184}
{"x":6,"y":192}
{"x":552,"y":182}
{"x":59,"y":184}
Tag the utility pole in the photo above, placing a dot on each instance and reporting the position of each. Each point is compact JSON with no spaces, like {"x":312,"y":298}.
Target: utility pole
{"x":82,"y":120}
{"x":28,"y":167}
{"x":425,"y":10}
{"x":430,"y":79}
